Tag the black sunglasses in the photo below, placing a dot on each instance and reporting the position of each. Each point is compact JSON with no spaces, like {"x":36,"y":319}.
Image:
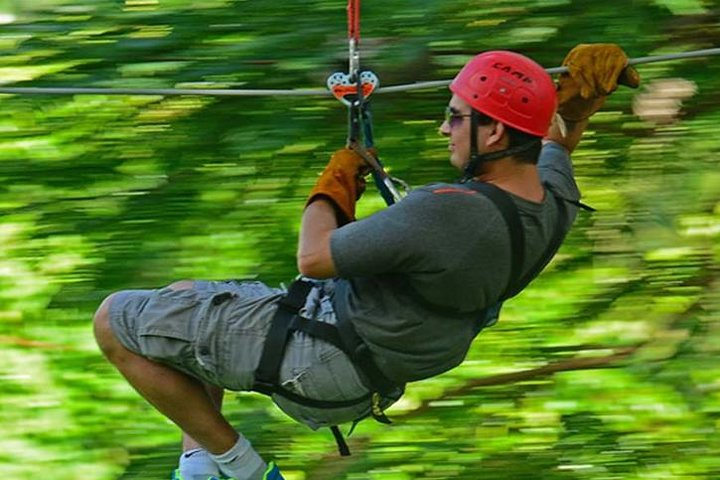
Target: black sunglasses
{"x":453,"y":117}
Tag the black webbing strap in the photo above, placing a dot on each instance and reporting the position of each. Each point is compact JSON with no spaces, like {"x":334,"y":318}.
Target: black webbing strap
{"x":267,"y":375}
{"x":516,"y":233}
{"x":285,"y":321}
{"x":326,"y":331}
{"x":343,"y":336}
{"x":268,"y":371}
{"x":509,"y":211}
{"x":340,"y":440}
{"x":314,"y":403}
{"x":516,"y":282}
{"x":361,"y":357}
{"x":510,"y":214}
{"x":552,"y":247}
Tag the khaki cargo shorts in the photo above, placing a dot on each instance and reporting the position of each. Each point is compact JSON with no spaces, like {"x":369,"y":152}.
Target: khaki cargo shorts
{"x":215,"y":331}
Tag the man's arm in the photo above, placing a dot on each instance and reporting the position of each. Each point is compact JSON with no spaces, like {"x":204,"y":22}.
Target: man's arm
{"x":331,"y":203}
{"x":574,"y":133}
{"x":313,"y":256}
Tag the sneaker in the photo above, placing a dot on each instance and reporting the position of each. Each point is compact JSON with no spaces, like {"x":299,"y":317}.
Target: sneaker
{"x":273,"y":473}
{"x":176,"y":475}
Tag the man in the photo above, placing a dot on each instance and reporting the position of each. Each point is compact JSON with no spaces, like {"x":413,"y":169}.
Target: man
{"x":406,"y":290}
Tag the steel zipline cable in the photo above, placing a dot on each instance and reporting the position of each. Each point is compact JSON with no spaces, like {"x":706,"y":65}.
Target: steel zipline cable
{"x":299,"y":92}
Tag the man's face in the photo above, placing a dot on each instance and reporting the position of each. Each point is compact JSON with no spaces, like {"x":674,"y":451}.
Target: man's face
{"x":457,"y":128}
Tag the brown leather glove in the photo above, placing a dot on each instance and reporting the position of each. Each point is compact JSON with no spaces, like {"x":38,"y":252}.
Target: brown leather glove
{"x":342,"y":182}
{"x":595,"y":70}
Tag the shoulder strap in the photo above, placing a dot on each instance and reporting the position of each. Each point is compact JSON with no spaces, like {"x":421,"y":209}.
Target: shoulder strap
{"x":552,"y":247}
{"x":507,"y":208}
{"x":510,"y":214}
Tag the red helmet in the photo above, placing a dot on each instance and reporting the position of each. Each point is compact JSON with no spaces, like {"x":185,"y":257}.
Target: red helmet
{"x":510,"y":88}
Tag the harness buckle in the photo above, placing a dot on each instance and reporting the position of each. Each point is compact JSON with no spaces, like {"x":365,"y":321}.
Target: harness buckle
{"x":296,"y":295}
{"x":377,"y":411}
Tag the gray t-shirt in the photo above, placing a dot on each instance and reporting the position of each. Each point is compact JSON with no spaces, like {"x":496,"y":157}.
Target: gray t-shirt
{"x":451,"y":245}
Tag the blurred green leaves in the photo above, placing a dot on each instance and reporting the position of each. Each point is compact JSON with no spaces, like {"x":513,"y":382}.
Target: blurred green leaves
{"x":101,"y":193}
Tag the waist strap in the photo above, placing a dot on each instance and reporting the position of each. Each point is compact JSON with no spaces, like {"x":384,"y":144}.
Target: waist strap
{"x":342,"y":335}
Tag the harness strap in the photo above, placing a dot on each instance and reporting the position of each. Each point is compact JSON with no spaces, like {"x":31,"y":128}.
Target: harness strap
{"x":342,"y":335}
{"x":508,"y":209}
{"x":325,"y":331}
{"x":504,"y":203}
{"x":509,"y":212}
{"x":361,"y":356}
{"x":340,"y":440}
{"x":268,"y":371}
{"x":267,"y":374}
{"x":314,"y":403}
{"x":552,"y":247}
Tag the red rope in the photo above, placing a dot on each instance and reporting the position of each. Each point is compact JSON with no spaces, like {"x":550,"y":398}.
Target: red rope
{"x":353,"y":11}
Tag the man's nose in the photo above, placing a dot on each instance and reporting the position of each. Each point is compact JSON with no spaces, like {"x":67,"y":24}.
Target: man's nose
{"x":444,"y":129}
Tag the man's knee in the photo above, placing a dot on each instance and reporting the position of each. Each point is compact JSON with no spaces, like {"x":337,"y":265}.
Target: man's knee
{"x":104,"y":336}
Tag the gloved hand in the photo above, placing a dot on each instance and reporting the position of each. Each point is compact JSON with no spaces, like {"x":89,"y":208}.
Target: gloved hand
{"x":595,"y":70}
{"x":342,"y":182}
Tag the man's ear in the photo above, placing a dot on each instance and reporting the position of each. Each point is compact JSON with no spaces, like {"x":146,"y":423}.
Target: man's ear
{"x":495,"y":134}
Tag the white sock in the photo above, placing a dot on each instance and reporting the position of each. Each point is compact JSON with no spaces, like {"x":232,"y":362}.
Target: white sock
{"x":196,"y":464}
{"x":241,"y":462}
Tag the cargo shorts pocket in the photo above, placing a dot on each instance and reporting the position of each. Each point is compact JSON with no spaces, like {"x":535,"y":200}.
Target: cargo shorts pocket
{"x":168,"y":327}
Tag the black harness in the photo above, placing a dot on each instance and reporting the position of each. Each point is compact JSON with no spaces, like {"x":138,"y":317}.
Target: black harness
{"x":488,"y":316}
{"x":343,"y":335}
{"x":502,"y":200}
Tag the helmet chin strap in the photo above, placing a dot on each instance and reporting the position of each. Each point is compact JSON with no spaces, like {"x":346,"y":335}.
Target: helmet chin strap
{"x":476,"y":158}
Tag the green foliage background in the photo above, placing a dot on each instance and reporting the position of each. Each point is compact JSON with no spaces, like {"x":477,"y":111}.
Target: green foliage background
{"x":614,"y":350}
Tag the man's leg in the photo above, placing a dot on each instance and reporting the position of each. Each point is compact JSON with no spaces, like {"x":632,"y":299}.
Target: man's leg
{"x":216,"y":396}
{"x":191,"y":404}
{"x":180,"y":397}
{"x":195,"y":461}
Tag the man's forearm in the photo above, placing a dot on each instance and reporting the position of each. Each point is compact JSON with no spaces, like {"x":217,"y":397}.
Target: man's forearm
{"x":574,"y":133}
